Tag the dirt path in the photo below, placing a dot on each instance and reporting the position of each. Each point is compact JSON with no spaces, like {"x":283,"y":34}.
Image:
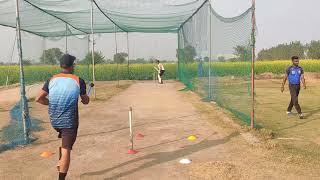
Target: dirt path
{"x":166,"y":118}
{"x":9,"y":97}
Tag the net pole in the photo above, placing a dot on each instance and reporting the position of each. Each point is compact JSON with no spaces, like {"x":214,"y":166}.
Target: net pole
{"x":92,"y":53}
{"x":88,"y":63}
{"x":66,"y":36}
{"x":128,"y":51}
{"x":23,"y":103}
{"x":178,"y":62}
{"x":116,"y":43}
{"x":210,"y":48}
{"x":253,"y":63}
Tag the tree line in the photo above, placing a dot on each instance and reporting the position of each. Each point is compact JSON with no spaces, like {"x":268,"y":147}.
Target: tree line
{"x":287,"y":50}
{"x":244,"y":53}
{"x":53,"y":55}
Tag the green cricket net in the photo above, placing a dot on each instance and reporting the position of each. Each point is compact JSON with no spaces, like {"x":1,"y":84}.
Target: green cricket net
{"x":40,"y":58}
{"x":218,"y":44}
{"x":207,"y":44}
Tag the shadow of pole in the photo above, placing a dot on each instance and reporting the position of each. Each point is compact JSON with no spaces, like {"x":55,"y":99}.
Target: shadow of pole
{"x":162,"y":157}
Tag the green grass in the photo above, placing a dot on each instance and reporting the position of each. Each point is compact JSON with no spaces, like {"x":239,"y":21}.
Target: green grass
{"x":108,"y":72}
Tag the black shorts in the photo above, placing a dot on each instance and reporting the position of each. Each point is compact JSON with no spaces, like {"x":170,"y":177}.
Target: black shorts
{"x":68,"y":137}
{"x":161,"y":72}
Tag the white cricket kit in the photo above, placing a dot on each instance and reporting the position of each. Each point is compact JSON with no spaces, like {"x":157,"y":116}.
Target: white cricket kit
{"x":160,"y":66}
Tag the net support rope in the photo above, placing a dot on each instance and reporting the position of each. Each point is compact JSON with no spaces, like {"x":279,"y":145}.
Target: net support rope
{"x":108,"y":16}
{"x":194,"y":13}
{"x":55,"y":16}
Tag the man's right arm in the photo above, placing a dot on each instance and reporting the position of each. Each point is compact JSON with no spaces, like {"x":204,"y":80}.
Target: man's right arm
{"x":284,"y":80}
{"x":83,"y":92}
{"x":42,"y":97}
{"x":85,"y":99}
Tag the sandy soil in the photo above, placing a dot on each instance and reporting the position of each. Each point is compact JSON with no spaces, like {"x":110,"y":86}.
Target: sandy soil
{"x":166,"y":117}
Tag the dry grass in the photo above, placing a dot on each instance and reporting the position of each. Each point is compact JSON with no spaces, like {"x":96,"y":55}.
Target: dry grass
{"x":287,"y":136}
{"x":106,"y":89}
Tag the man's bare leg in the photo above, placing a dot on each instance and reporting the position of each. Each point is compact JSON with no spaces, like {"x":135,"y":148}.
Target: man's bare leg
{"x":159,"y":78}
{"x":64,"y":163}
{"x":58,"y":165}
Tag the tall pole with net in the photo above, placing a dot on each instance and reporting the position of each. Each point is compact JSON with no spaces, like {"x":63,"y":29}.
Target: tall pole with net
{"x":128,"y":67}
{"x":92,"y":53}
{"x":116,"y":43}
{"x":66,"y":34}
{"x":210,"y":53}
{"x":23,"y":102}
{"x":253,"y":62}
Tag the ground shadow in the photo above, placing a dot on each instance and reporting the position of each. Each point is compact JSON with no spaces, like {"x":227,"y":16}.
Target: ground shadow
{"x":155,"y":121}
{"x":162,"y":157}
{"x":312,"y":112}
{"x":303,"y":121}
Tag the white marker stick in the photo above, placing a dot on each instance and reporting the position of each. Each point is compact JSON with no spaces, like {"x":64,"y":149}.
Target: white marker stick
{"x":130,"y":125}
{"x":90,"y":89}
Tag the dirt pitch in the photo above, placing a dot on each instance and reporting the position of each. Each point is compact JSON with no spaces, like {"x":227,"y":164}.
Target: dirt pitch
{"x":166,"y":116}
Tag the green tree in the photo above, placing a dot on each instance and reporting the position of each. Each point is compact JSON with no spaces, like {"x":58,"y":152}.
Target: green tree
{"x":120,"y":58}
{"x":283,"y":51}
{"x":313,"y":50}
{"x":243,"y":53}
{"x":187,"y":54}
{"x":221,"y":58}
{"x":98,"y":58}
{"x":51,"y":56}
{"x":27,"y":62}
{"x":140,"y":61}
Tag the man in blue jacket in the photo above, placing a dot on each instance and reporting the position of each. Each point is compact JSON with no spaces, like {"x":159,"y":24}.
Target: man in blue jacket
{"x":295,"y":75}
{"x":63,"y":91}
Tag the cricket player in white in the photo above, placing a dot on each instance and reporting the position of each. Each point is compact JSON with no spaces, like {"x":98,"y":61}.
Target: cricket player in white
{"x":160,"y":70}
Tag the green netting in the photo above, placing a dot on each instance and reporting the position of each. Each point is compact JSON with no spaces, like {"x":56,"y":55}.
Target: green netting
{"x":48,"y":17}
{"x":66,"y":27}
{"x":38,"y":51}
{"x":219,"y":45}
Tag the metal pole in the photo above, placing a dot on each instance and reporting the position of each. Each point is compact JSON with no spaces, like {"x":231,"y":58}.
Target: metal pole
{"x":116,"y":43}
{"x":252,"y":63}
{"x":24,"y":103}
{"x":128,"y":68}
{"x":92,"y":53}
{"x":88,"y":63}
{"x":66,"y":34}
{"x":178,"y":58}
{"x":210,"y":48}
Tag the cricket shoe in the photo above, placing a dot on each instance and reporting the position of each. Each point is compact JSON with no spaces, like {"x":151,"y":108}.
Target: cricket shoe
{"x":301,"y":116}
